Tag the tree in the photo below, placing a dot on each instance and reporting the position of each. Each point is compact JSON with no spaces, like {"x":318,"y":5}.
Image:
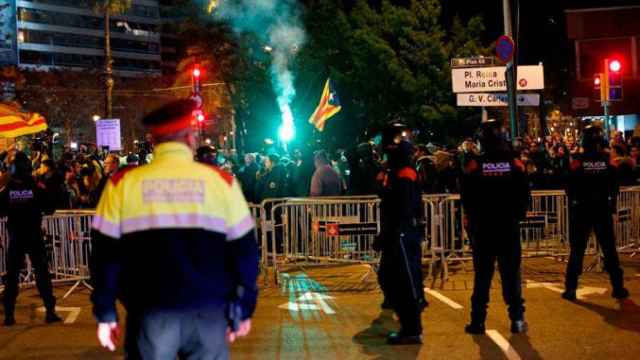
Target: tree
{"x":389,"y":62}
{"x":108,"y":8}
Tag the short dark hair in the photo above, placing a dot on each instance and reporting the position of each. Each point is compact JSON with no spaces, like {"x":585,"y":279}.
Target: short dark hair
{"x":169,"y":112}
{"x":274,"y":158}
{"x":322,"y":156}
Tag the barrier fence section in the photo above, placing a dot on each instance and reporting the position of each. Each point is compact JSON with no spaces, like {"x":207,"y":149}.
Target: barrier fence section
{"x":312,"y":231}
{"x":627,"y":224}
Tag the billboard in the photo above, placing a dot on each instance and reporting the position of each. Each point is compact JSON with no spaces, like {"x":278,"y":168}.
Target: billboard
{"x":8,"y":39}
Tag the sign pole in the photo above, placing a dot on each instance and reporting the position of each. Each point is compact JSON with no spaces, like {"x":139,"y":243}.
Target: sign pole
{"x":511,"y":71}
{"x":605,"y":105}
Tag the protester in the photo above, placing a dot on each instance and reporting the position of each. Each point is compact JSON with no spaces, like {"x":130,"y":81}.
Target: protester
{"x":325,"y":180}
{"x":272,"y":180}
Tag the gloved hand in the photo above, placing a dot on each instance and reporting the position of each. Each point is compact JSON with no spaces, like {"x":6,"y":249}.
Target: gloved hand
{"x":108,"y":335}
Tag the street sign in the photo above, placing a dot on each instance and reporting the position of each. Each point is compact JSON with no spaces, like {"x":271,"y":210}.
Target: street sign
{"x":505,"y":48}
{"x":496,"y":99}
{"x":472,"y":62}
{"x":529,"y":77}
{"x":578,"y":103}
{"x":108,"y":134}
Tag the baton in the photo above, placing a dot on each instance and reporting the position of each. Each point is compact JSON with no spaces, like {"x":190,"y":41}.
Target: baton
{"x":406,"y":263}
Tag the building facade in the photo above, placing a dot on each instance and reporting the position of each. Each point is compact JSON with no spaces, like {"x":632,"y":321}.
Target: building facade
{"x":69,"y":34}
{"x":597,"y":34}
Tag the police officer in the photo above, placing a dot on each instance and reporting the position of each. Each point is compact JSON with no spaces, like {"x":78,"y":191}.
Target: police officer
{"x":400,"y":272}
{"x":495,"y":196}
{"x":24,"y":202}
{"x":207,"y":154}
{"x":173,"y":241}
{"x":593,"y":190}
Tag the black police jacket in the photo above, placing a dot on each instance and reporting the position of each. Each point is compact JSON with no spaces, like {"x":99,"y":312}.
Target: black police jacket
{"x":593,"y":182}
{"x":494,"y":189}
{"x":24,"y":202}
{"x":401,"y":208}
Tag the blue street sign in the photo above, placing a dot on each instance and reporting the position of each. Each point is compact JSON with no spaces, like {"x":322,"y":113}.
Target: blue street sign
{"x":505,"y":48}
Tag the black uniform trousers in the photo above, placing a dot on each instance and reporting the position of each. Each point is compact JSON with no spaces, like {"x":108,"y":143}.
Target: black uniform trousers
{"x":20,"y":244}
{"x":598,"y":218}
{"x":167,"y":335}
{"x":499,"y":242}
{"x":400,"y":276}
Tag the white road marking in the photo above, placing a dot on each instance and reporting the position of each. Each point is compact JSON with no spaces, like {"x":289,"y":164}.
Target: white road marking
{"x":546,"y":285}
{"x":443,"y":298}
{"x":318,"y":303}
{"x":587,"y":290}
{"x":581,"y":293}
{"x":74,"y":312}
{"x":503,"y":344}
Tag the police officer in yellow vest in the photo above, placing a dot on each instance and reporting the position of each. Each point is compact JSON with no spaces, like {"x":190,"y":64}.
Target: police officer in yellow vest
{"x":173,"y":241}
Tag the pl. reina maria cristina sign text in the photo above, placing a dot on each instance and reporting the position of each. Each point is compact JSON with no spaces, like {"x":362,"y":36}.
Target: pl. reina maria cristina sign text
{"x":529,"y":77}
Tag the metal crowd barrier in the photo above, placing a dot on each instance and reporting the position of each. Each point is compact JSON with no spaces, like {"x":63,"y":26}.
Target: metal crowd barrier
{"x":67,"y":238}
{"x":318,"y":231}
{"x":627,"y":225}
{"x":545,"y":229}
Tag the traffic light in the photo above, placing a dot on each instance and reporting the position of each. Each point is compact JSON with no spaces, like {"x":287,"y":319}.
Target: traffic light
{"x":614,"y":83}
{"x":597,"y":87}
{"x":195,"y":76}
{"x":198,"y":115}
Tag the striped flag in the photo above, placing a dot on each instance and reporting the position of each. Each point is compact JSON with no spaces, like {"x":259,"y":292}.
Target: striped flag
{"x":329,"y":106}
{"x":15,"y":122}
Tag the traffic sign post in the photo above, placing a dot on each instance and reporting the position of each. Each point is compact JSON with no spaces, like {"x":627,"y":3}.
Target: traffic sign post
{"x":530,"y":77}
{"x":477,"y":61}
{"x":496,"y":99}
{"x":505,"y":49}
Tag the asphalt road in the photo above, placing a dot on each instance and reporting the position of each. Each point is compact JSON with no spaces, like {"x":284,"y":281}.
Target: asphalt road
{"x":333,"y":313}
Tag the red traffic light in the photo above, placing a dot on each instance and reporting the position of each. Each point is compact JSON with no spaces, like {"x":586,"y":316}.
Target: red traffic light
{"x":596,"y":80}
{"x":198,"y":115}
{"x":196,"y":72}
{"x":615,"y":66}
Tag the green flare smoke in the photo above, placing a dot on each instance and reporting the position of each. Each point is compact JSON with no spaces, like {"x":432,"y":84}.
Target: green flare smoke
{"x":278,"y":24}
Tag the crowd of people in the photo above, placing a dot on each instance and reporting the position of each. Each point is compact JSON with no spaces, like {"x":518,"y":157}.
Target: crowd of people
{"x":78,"y":176}
{"x":547,"y":163}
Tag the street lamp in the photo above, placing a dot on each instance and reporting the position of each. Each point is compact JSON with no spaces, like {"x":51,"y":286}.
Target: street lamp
{"x":96,"y":117}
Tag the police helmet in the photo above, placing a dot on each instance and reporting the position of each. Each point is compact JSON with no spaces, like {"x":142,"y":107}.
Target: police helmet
{"x":21,"y":167}
{"x":207,"y":154}
{"x":393,"y":134}
{"x":592,"y":138}
{"x":491,"y":137}
{"x":396,"y":144}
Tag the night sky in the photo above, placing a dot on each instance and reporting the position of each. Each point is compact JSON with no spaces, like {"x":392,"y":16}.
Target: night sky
{"x":542,"y":25}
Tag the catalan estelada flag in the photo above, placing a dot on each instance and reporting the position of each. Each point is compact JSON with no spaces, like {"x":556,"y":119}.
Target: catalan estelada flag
{"x":15,"y":122}
{"x":329,"y":106}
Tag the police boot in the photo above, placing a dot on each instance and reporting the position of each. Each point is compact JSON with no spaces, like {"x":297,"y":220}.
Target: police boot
{"x":51,"y":317}
{"x":9,"y":320}
{"x":423,"y":304}
{"x":519,"y":326}
{"x":399,"y":338}
{"x":620,"y":293}
{"x":386,"y":304}
{"x":569,"y":294}
{"x":474,"y":328}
